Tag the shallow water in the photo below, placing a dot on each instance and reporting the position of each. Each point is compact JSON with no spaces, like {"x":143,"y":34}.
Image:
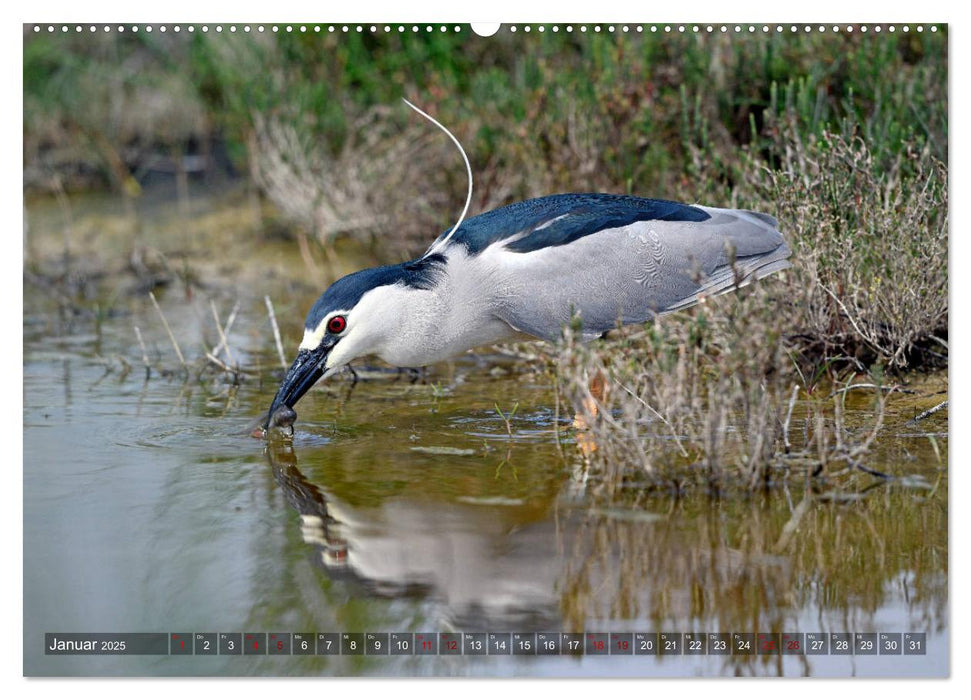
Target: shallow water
{"x":407,"y":504}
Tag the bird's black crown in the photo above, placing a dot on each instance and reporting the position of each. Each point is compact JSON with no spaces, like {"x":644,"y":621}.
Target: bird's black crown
{"x":346,"y":292}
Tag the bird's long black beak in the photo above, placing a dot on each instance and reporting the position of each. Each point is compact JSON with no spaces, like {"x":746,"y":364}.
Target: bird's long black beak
{"x":306,"y":369}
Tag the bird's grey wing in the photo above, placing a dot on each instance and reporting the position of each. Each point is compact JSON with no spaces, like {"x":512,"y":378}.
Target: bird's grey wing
{"x":631,"y":273}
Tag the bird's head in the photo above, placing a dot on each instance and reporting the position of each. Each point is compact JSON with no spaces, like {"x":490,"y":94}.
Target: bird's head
{"x":360,"y":314}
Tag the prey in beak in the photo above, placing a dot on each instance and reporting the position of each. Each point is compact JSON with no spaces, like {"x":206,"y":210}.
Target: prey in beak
{"x":307,"y":368}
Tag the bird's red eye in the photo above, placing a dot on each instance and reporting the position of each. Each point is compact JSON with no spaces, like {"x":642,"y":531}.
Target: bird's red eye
{"x":337,"y":325}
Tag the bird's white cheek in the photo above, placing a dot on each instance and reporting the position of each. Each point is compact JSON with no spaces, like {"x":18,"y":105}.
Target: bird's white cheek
{"x":312,"y":338}
{"x":348,"y":348}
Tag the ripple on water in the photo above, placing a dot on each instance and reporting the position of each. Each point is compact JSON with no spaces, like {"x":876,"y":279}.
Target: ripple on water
{"x":193,"y":435}
{"x":536,"y":426}
{"x":180,"y":433}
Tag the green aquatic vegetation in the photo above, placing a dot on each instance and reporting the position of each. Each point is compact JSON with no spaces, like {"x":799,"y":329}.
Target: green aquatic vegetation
{"x":507,"y":417}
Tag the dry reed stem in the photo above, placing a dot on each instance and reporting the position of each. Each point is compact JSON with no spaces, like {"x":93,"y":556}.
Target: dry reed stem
{"x":220,"y":364}
{"x":276,"y":331}
{"x":168,"y":329}
{"x":785,"y":426}
{"x":229,"y":326}
{"x":223,"y":342}
{"x":645,"y":404}
{"x":141,"y":343}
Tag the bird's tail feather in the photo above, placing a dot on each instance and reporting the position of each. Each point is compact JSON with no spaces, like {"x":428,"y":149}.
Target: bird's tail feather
{"x":728,"y":278}
{"x":764,"y":218}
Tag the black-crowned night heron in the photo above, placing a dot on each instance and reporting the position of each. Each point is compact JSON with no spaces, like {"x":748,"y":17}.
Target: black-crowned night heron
{"x":525,"y":270}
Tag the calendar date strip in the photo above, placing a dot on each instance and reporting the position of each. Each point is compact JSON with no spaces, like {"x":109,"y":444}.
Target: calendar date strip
{"x":486,"y":643}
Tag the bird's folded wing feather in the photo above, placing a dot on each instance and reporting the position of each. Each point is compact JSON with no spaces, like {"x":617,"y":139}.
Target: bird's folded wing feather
{"x":613,"y":259}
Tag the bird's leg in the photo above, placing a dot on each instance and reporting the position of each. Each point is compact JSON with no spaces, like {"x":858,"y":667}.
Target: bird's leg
{"x":588,"y":412}
{"x":350,"y":390}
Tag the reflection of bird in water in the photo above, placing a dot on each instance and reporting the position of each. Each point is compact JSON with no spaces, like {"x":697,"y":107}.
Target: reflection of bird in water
{"x":524,"y":271}
{"x":484,"y":572}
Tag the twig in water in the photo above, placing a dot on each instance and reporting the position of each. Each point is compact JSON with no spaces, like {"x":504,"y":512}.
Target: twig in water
{"x":228,"y":327}
{"x":785,"y":426}
{"x":220,"y":364}
{"x":148,"y":367}
{"x":928,"y":412}
{"x":222,"y":336}
{"x":873,"y":472}
{"x":889,"y":389}
{"x":276,"y":331}
{"x":175,"y":344}
{"x":236,"y":371}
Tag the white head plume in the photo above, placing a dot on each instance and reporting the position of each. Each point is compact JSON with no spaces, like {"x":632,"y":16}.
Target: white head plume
{"x":438,"y":244}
